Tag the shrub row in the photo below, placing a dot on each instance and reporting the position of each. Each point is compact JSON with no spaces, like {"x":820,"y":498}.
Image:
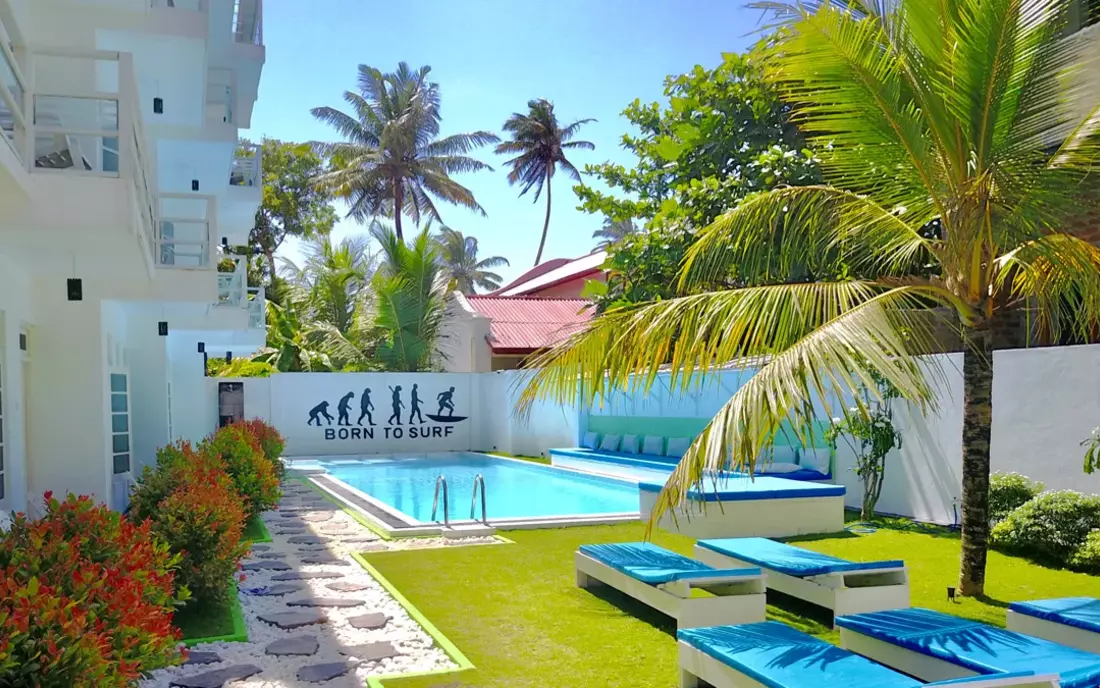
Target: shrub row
{"x":87,"y":596}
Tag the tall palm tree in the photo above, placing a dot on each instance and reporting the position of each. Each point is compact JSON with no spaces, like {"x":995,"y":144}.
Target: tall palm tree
{"x":613,"y":232}
{"x":460,"y":262}
{"x":392,"y":161}
{"x":950,"y":151}
{"x":540,"y":142}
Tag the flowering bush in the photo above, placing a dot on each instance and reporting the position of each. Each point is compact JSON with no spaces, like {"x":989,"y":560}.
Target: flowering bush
{"x":86,"y":598}
{"x":270,"y":441}
{"x":244,"y":460}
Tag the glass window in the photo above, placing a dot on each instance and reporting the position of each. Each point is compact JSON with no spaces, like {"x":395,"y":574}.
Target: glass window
{"x":118,"y":383}
{"x":118,"y":403}
{"x":120,"y":423}
{"x":121,"y":463}
{"x":121,"y":442}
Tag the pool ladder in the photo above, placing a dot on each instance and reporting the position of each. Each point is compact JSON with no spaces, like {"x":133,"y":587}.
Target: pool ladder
{"x":441,"y":487}
{"x":478,"y":480}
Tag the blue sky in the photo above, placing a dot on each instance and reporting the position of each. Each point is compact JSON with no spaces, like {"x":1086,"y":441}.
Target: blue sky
{"x":590,"y":57}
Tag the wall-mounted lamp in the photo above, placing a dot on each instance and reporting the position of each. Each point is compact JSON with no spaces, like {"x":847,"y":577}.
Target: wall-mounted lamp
{"x":225,"y":242}
{"x":202,"y":347}
{"x":228,"y":356}
{"x":194,"y":184}
{"x":158,"y":106}
{"x":162,"y":328}
{"x":75,"y":288}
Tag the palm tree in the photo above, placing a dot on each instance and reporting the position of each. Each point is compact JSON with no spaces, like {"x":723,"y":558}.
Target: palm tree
{"x":331,"y":283}
{"x":467,"y":273}
{"x":950,"y":152}
{"x":392,"y":161}
{"x":540,"y":143}
{"x":613,"y":232}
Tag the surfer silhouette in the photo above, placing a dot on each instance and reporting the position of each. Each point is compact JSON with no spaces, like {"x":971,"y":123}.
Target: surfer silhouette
{"x":397,"y":406}
{"x":317,"y":411}
{"x":365,"y":407}
{"x":414,"y":405}
{"x":343,"y":407}
{"x":446,"y":401}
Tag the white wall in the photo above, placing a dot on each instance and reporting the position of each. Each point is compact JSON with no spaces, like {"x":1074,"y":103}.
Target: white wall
{"x":14,"y":315}
{"x":148,"y":364}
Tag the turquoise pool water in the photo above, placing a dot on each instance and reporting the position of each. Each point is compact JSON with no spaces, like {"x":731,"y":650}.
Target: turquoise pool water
{"x":514,"y":489}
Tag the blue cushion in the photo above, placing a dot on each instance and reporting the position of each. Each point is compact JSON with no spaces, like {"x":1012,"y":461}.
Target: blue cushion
{"x":742,"y":488}
{"x":655,"y":565}
{"x":1080,"y":612}
{"x":976,"y":646}
{"x":788,"y":559}
{"x":779,"y":656}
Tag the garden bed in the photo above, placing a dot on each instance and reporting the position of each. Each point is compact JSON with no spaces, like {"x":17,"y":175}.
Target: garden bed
{"x":210,"y":622}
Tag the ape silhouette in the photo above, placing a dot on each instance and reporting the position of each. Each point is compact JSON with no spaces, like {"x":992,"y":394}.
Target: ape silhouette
{"x":397,"y":406}
{"x":343,"y":407}
{"x":319,"y":410}
{"x":415,"y":406}
{"x":365,"y":407}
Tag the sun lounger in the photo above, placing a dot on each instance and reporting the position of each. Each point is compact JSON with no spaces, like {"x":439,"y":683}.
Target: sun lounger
{"x":778,"y":656}
{"x":846,"y":587}
{"x":664,"y":580}
{"x":934,"y":647}
{"x":1073,"y":621}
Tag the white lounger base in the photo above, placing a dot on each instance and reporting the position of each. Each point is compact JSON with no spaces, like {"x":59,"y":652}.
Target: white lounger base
{"x":753,"y":518}
{"x":1063,"y":634}
{"x":738,"y":602}
{"x":854,"y":592}
{"x":922,"y":666}
{"x":697,"y":667}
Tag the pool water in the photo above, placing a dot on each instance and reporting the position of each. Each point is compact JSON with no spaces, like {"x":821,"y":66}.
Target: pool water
{"x":514,"y":489}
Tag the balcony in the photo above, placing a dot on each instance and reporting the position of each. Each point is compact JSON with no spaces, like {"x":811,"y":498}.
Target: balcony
{"x":186,"y":228}
{"x":235,"y":294}
{"x":248,"y":21}
{"x":237,"y":212}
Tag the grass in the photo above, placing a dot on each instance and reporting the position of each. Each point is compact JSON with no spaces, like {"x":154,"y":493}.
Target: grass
{"x":515,"y":612}
{"x":256,"y":531}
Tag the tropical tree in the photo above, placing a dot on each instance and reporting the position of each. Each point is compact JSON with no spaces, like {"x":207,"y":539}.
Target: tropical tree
{"x":539,"y":143}
{"x":288,"y":347}
{"x":461,"y":264}
{"x":392,"y":161}
{"x":949,"y":150}
{"x":613,"y":231}
{"x":331,"y":284}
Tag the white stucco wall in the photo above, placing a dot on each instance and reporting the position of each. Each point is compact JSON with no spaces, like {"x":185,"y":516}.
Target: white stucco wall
{"x":14,"y":316}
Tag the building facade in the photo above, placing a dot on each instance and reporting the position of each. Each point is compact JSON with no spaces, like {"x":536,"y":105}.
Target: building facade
{"x":121,"y":181}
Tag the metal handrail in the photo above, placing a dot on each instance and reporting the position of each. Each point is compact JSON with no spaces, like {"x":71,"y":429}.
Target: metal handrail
{"x":479,"y":480}
{"x":441,"y":481}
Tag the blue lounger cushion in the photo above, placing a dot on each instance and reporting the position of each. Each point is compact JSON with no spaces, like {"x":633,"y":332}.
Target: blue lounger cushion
{"x":791,"y":560}
{"x":655,"y":565}
{"x":737,"y":488}
{"x":975,"y":679}
{"x":976,"y":646}
{"x":668,"y":463}
{"x":779,"y":656}
{"x":1080,"y":612}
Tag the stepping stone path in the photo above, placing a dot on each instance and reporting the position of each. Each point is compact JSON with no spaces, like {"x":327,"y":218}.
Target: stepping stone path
{"x":266,"y":565}
{"x":288,"y":621}
{"x":301,"y":645}
{"x":217,"y":678}
{"x":273,"y":555}
{"x":306,"y":575}
{"x":305,"y":540}
{"x":291,"y":531}
{"x":260,"y":548}
{"x":327,"y":559}
{"x":318,"y":673}
{"x":371,"y":652}
{"x":369,"y":622}
{"x":326,"y":602}
{"x":277,"y":590}
{"x":347,"y":586}
{"x":202,"y":658}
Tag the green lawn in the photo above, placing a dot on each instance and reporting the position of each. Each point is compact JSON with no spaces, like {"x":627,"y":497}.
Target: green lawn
{"x":515,"y":612}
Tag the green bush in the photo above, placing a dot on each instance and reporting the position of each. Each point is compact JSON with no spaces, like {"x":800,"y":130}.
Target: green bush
{"x":1009,"y":491}
{"x":1050,"y":527}
{"x":270,"y":441}
{"x":1087,"y":556}
{"x":157,"y":482}
{"x":253,"y":475}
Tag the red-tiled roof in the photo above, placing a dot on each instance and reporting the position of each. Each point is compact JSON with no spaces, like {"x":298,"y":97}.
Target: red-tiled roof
{"x":520,"y":326}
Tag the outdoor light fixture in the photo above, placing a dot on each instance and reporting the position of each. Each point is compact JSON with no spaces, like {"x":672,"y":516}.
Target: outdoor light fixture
{"x":225,"y":242}
{"x":228,"y":356}
{"x":158,"y":106}
{"x":951,"y":593}
{"x":75,"y":288}
{"x":194,"y":184}
{"x":202,"y":347}
{"x":162,"y":328}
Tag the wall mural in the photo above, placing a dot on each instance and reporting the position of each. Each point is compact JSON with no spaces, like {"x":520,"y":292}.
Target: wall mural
{"x":399,"y":424}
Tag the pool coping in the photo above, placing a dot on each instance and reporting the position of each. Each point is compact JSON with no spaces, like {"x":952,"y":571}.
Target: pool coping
{"x":392,"y":524}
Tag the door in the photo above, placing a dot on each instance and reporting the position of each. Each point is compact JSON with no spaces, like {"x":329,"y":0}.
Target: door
{"x":230,"y":402}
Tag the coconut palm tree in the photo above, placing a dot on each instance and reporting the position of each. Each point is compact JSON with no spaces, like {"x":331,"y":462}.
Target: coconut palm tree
{"x":540,"y":142}
{"x":950,"y":151}
{"x":613,"y":232}
{"x":461,"y":264}
{"x":392,"y":161}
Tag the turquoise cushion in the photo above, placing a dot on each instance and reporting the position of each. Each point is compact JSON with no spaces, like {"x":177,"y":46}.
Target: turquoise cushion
{"x":1080,"y":612}
{"x":788,"y":559}
{"x":779,"y":656}
{"x":655,"y":565}
{"x":737,"y":487}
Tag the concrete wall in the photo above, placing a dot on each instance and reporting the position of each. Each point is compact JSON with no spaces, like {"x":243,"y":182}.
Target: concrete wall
{"x":14,"y":317}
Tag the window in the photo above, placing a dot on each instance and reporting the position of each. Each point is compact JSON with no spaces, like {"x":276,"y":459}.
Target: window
{"x":120,"y":423}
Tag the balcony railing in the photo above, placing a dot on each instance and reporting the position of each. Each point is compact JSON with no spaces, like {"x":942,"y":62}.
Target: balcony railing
{"x":13,"y":89}
{"x":234,"y":292}
{"x":257,"y":308}
{"x":185,"y":229}
{"x":248,"y":21}
{"x":188,"y":5}
{"x":247,"y":167}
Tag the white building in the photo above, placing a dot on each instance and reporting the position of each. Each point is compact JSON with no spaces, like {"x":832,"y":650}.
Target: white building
{"x":119,"y":183}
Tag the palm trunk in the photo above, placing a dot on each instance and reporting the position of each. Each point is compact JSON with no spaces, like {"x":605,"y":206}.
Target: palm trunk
{"x":545,"y":225}
{"x":977,"y":424}
{"x":270,"y":255}
{"x":398,"y":202}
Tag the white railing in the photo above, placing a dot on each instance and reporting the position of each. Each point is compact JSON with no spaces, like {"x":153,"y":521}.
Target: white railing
{"x":257,"y":308}
{"x":13,"y":93}
{"x":247,"y":167}
{"x":232,"y":286}
{"x":185,"y":229}
{"x":188,"y":5}
{"x":248,"y":21}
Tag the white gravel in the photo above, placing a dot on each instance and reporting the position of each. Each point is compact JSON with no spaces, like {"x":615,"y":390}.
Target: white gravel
{"x":417,"y":650}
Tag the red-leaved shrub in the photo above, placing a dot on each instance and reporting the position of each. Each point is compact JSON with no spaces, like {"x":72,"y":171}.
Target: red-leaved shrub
{"x":270,"y":441}
{"x":244,"y":460}
{"x":86,"y":598}
{"x":157,"y":482}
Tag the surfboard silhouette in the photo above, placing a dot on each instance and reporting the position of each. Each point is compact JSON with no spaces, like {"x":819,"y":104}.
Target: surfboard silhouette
{"x":446,"y":419}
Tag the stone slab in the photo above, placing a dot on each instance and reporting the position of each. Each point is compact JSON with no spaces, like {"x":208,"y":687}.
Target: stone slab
{"x":266,"y":565}
{"x":369,"y":622}
{"x":298,"y":645}
{"x":326,"y":602}
{"x":277,"y":590}
{"x":347,"y":586}
{"x":306,"y":540}
{"x":306,"y":575}
{"x":324,"y":559}
{"x":371,"y":652}
{"x":318,"y":673}
{"x":199,"y":657}
{"x":216,"y":678}
{"x":291,"y":620}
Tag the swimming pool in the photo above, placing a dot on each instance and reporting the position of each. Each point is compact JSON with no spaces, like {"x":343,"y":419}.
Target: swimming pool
{"x":515,"y":489}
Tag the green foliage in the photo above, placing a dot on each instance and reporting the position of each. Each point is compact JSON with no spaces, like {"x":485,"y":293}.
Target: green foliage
{"x":293,"y":205}
{"x":461,"y":265}
{"x":252,"y":474}
{"x":1092,"y":451}
{"x":1008,"y":492}
{"x":289,"y":349}
{"x":1049,"y":528}
{"x":270,"y":440}
{"x":1087,"y":556}
{"x":158,"y":481}
{"x":238,"y":367}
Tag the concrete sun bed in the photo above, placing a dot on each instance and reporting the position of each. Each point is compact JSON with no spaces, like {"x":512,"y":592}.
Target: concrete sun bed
{"x":934,"y":647}
{"x":777,"y":656}
{"x":1073,"y":621}
{"x":843,"y":586}
{"x":664,"y":581}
